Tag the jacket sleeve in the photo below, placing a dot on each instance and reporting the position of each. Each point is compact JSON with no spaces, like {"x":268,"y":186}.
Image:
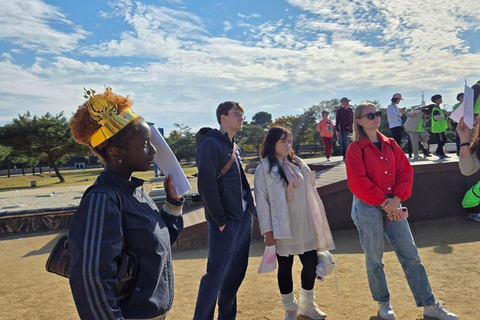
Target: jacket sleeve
{"x":95,"y":241}
{"x":403,"y":173}
{"x":392,"y":114}
{"x":262,"y":201}
{"x":338,"y":121}
{"x":437,"y":116}
{"x":172,"y":216}
{"x":358,"y":181}
{"x":207,"y":163}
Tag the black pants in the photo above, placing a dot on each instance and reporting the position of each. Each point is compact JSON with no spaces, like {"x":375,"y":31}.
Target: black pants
{"x":309,"y":261}
{"x":441,"y":140}
{"x":397,"y":134}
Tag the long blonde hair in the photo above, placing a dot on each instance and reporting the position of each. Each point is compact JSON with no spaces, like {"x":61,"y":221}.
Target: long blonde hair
{"x":358,"y":131}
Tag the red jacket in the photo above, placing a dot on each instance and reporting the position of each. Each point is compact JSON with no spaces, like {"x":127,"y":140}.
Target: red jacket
{"x":375,"y":174}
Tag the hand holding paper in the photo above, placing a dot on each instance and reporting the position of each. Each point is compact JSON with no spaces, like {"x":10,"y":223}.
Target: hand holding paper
{"x":167,"y":162}
{"x":465,"y":109}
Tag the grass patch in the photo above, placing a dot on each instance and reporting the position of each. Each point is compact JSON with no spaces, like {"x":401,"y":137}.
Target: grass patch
{"x":72,"y":178}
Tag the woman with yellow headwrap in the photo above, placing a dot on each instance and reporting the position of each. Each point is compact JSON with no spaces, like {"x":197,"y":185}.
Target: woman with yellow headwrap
{"x":116,"y":213}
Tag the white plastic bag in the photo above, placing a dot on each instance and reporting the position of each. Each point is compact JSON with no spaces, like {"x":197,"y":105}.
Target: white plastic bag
{"x":325,"y":265}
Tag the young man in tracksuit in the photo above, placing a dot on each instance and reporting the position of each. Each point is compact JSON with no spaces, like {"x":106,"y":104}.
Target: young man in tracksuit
{"x":439,"y":125}
{"x":228,"y":203}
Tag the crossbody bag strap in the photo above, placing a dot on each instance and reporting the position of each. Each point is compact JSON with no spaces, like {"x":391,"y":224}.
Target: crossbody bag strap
{"x":229,"y":163}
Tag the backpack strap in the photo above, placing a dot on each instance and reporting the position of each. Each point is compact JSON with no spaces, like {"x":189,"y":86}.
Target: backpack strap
{"x":229,"y":163}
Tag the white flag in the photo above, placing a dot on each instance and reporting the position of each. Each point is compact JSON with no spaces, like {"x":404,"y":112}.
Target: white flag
{"x":465,"y":109}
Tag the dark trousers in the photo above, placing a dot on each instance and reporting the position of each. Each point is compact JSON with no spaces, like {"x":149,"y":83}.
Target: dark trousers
{"x":344,"y":142}
{"x":227,"y":263}
{"x":327,"y":143}
{"x":441,"y":140}
{"x":397,"y":134}
{"x":409,"y":146}
{"x":309,"y":271}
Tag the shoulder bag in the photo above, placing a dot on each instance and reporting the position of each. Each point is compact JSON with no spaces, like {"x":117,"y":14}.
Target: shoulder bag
{"x":59,"y":260}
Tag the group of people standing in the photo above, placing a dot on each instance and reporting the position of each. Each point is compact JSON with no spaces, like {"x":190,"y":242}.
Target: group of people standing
{"x":119,"y":215}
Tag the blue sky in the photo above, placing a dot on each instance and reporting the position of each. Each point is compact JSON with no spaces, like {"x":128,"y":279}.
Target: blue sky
{"x":179,"y":59}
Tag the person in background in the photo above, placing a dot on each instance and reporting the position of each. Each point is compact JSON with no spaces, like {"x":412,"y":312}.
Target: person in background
{"x":415,"y":128}
{"x":325,"y":128}
{"x":291,"y":217}
{"x":394,"y":116}
{"x":454,"y":123}
{"x":380,"y":178}
{"x":476,"y":99}
{"x":228,"y":203}
{"x":343,"y":125}
{"x":469,"y":164}
{"x":439,"y":126}
{"x":117,"y":212}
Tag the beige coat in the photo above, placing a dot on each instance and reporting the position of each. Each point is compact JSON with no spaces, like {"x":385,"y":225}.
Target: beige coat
{"x":272,"y":208}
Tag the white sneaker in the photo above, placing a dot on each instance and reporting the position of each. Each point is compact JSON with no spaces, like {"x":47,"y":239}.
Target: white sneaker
{"x":425,"y":145}
{"x":437,"y":311}
{"x":385,"y":310}
{"x":474,"y":216}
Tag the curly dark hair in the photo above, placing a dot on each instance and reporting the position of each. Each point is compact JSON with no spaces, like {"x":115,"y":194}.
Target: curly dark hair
{"x":83,"y":127}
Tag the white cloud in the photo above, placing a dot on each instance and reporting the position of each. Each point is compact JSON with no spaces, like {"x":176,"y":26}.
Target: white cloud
{"x":27,"y":23}
{"x":250,"y":16}
{"x":332,"y":49}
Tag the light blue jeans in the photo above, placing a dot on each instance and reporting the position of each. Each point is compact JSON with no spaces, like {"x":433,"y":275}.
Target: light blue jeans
{"x":371,"y":224}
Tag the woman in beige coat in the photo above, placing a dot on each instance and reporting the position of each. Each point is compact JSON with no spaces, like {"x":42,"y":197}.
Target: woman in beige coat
{"x":291,"y":217}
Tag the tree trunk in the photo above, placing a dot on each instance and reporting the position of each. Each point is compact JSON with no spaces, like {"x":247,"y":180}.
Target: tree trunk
{"x":40,"y":169}
{"x":55,"y":168}
{"x":8,"y":176}
{"x":33,"y":170}
{"x":23,"y":168}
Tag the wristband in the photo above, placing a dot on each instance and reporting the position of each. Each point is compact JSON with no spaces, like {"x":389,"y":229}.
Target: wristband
{"x":465,"y":144}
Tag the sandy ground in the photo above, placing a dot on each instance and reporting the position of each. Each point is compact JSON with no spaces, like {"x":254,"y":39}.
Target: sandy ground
{"x":449,"y":249}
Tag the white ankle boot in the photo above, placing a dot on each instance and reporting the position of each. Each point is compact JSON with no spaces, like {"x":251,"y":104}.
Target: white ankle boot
{"x":307,"y":306}
{"x":290,"y":305}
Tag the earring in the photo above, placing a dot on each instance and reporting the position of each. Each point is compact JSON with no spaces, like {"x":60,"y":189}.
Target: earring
{"x":119,"y":160}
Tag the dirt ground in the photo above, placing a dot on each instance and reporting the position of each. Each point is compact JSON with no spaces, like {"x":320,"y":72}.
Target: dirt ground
{"x":449,"y":249}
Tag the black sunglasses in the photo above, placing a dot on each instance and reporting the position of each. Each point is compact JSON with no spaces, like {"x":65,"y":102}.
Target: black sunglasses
{"x":372,"y":115}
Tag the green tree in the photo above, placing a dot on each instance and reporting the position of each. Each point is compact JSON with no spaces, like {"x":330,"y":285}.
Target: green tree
{"x":182,"y":142}
{"x":5,"y":155}
{"x":262,"y":119}
{"x":50,"y":135}
{"x":250,"y":135}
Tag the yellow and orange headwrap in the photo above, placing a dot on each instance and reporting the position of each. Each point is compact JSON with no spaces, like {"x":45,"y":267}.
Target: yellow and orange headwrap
{"x":105,"y":114}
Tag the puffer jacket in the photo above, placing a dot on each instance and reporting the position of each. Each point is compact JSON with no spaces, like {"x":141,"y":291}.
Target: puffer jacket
{"x":272,"y":208}
{"x":222,"y":197}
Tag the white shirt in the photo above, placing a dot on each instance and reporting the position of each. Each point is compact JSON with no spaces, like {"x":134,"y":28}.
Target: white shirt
{"x":394,"y":116}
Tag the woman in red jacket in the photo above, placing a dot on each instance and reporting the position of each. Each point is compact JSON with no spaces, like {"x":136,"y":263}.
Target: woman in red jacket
{"x":380,"y":177}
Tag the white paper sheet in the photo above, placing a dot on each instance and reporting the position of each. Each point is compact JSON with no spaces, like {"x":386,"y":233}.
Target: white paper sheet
{"x":269,"y":260}
{"x":465,"y":109}
{"x":167,"y":162}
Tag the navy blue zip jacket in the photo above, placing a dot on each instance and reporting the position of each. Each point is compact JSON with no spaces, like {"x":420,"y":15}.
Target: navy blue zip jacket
{"x":95,"y":240}
{"x":222,"y":198}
